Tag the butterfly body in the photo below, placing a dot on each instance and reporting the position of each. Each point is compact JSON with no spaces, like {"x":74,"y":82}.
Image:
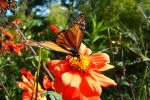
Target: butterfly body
{"x":67,"y":41}
{"x":75,"y":53}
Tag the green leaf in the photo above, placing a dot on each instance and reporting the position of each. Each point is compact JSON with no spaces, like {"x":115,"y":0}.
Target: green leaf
{"x":52,"y":95}
{"x":37,"y":58}
{"x":45,"y":55}
{"x":96,"y":38}
{"x":125,"y":83}
{"x":30,"y":57}
{"x":133,"y":36}
{"x":122,"y":81}
{"x":100,"y":25}
{"x":7,"y":98}
{"x":35,"y":22}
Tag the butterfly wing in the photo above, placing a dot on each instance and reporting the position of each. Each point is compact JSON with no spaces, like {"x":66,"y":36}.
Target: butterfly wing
{"x":67,"y":40}
{"x":48,"y":45}
{"x":5,"y":5}
{"x":71,"y":39}
{"x":13,"y":3}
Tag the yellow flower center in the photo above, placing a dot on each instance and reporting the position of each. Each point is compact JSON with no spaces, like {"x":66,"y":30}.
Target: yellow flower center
{"x":80,"y":63}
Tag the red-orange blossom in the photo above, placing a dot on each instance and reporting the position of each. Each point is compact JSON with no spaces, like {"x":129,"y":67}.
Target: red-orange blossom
{"x":80,"y":78}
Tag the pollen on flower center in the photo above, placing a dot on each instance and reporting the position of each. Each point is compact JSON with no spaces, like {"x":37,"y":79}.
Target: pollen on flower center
{"x":81,"y":63}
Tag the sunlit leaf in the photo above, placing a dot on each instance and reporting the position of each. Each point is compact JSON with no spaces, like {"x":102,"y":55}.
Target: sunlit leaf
{"x":52,"y":95}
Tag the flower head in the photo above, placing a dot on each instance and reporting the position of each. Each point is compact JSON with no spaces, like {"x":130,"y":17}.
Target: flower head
{"x":11,"y":46}
{"x":17,"y":21}
{"x":81,"y":78}
{"x":8,"y":35}
{"x":54,"y":29}
{"x":29,"y":87}
{"x":28,"y":74}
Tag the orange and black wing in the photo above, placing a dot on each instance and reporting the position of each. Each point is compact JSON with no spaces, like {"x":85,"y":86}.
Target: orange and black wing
{"x":47,"y":45}
{"x":5,"y":5}
{"x":67,"y":41}
{"x":12,"y":4}
{"x":71,"y":39}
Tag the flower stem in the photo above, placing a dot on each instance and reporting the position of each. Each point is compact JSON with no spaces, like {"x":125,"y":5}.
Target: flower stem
{"x":38,"y":72}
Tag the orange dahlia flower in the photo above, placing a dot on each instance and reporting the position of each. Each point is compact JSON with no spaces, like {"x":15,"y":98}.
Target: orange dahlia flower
{"x":29,"y":86}
{"x":81,"y":78}
{"x":10,"y":46}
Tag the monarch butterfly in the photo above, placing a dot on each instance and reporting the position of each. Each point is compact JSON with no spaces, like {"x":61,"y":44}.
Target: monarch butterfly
{"x":67,"y":41}
{"x":7,"y":4}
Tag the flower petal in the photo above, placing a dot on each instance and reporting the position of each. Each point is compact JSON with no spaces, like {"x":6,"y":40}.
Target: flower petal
{"x":106,"y":67}
{"x":71,"y":78}
{"x":88,"y":51}
{"x":99,"y":58}
{"x":26,"y":95}
{"x":104,"y":81}
{"x":71,"y":93}
{"x":22,"y":86}
{"x":30,"y":77}
{"x":58,"y":85}
{"x":23,"y":71}
{"x":58,"y":66}
{"x":27,"y":82}
{"x":47,"y":84}
{"x":90,"y":87}
{"x":8,"y":35}
{"x":83,"y":50}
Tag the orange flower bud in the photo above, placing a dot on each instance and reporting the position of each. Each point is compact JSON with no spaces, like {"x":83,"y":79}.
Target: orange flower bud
{"x":54,"y":29}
